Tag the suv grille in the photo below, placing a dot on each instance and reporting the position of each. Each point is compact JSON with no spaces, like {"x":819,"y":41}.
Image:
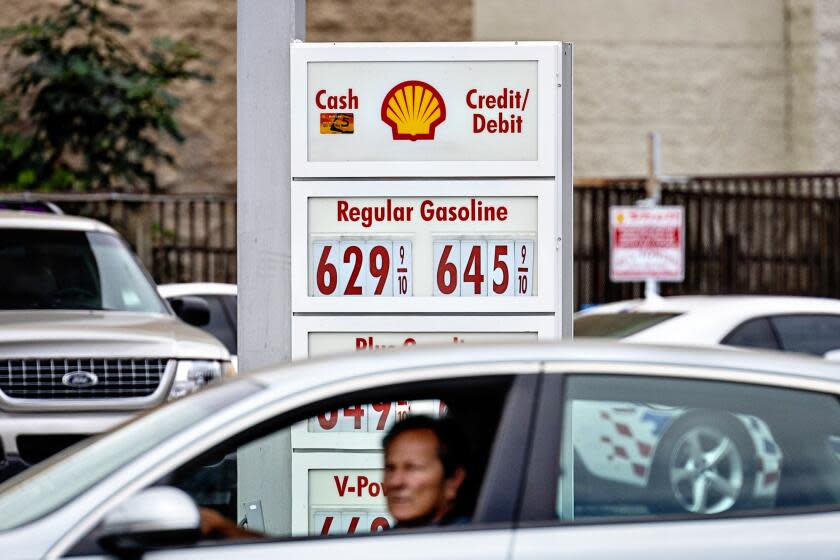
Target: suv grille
{"x":81,"y":378}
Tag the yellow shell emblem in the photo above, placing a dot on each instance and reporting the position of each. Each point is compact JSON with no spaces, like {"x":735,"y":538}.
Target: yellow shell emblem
{"x":413,"y":109}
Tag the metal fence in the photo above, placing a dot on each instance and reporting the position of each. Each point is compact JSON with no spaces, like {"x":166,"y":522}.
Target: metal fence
{"x":775,"y":234}
{"x":772,"y":234}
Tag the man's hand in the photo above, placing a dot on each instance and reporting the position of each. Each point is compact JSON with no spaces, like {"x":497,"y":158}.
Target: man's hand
{"x":216,"y":526}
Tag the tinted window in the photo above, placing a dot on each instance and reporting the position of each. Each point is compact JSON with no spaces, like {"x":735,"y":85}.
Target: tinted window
{"x":813,"y":334}
{"x":756,"y":333}
{"x":617,"y":325}
{"x":637,"y":447}
{"x":72,"y":270}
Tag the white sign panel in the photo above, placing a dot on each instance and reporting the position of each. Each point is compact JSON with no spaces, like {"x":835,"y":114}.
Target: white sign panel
{"x":372,"y":249}
{"x":647,"y":243}
{"x":427,"y":111}
{"x":473,"y":109}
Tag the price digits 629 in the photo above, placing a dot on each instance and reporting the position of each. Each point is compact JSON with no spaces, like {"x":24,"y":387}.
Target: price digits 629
{"x":362,"y":268}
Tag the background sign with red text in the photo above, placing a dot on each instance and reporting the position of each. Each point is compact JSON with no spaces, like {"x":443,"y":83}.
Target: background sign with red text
{"x":647,"y":243}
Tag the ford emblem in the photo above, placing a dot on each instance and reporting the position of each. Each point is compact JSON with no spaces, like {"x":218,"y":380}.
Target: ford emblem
{"x":80,"y":379}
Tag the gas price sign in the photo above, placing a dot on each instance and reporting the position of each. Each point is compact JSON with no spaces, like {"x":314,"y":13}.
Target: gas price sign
{"x":418,"y":246}
{"x":431,"y":204}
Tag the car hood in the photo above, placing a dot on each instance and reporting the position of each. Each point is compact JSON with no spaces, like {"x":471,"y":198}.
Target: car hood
{"x":66,"y":333}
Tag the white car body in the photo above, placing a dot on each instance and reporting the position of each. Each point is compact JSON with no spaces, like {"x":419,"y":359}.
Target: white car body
{"x":707,"y":320}
{"x":197,"y":289}
{"x":272,"y":393}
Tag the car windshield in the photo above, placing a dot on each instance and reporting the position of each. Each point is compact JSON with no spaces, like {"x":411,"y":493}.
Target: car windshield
{"x":617,"y":325}
{"x":55,"y":269}
{"x":62,"y":478}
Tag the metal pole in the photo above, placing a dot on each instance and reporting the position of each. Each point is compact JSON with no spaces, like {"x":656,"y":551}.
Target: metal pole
{"x":654,"y":195}
{"x":265,"y":29}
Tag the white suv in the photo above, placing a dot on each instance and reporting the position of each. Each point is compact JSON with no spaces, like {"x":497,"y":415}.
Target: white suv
{"x":85,"y":339}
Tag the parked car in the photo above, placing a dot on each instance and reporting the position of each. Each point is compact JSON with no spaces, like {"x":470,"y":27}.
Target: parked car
{"x":792,"y":324}
{"x":221,"y":301}
{"x":593,"y":449}
{"x":86,"y":342}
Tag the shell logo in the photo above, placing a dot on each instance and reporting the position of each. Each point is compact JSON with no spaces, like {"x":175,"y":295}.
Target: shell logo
{"x":413,"y":109}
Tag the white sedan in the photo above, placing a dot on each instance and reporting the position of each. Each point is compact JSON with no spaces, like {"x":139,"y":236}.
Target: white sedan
{"x":793,"y":324}
{"x":582,"y":449}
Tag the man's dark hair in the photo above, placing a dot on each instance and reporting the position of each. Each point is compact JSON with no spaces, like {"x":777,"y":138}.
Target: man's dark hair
{"x":452,"y":445}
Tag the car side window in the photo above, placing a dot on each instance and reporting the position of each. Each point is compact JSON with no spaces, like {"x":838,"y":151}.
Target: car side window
{"x":812,"y":334}
{"x":334,"y":469}
{"x":643,"y":447}
{"x":755,"y":333}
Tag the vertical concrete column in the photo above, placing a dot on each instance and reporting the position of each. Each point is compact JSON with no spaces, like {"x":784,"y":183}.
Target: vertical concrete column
{"x":264,"y":30}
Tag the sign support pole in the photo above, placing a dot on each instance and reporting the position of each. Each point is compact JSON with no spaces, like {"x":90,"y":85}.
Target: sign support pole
{"x":654,"y":194}
{"x":265,"y":30}
{"x":565,"y":201}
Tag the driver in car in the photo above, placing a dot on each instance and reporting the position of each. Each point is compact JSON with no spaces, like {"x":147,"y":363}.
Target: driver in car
{"x":424,"y":470}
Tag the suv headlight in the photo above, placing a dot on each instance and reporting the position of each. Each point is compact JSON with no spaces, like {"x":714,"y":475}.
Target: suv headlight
{"x":191,"y":375}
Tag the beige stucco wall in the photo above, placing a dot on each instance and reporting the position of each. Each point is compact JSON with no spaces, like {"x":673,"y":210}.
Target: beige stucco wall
{"x":745,"y":86}
{"x":708,"y":75}
{"x":815,"y":84}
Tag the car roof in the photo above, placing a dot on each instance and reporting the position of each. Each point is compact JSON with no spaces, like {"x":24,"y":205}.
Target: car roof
{"x":704,"y":320}
{"x":13,"y":219}
{"x":784,"y":368}
{"x":196,"y":288}
{"x":744,"y":305}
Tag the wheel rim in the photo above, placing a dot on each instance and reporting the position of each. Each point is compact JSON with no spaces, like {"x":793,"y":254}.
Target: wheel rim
{"x":706,"y":471}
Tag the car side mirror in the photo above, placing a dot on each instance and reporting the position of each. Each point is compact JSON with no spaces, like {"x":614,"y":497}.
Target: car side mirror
{"x":155,"y":517}
{"x":833,"y":355}
{"x":193,"y":310}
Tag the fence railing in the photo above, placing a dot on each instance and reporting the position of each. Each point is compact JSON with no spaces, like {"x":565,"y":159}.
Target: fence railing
{"x":771,"y":234}
{"x":774,"y":234}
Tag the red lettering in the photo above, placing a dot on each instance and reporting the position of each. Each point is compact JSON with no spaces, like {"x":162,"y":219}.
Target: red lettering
{"x":470,"y":103}
{"x":379,"y":524}
{"x":318,"y":101}
{"x":356,"y":412}
{"x":342,"y":206}
{"x":361,"y":483}
{"x":340,"y":486}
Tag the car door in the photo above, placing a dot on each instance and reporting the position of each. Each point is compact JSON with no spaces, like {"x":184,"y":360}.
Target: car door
{"x":665,"y":462}
{"x":497,"y":410}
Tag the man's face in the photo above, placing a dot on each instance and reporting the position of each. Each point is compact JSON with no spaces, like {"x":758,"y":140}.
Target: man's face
{"x":414,"y":482}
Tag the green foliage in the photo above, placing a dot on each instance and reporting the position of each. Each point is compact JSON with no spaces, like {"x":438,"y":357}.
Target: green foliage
{"x":83,"y":111}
